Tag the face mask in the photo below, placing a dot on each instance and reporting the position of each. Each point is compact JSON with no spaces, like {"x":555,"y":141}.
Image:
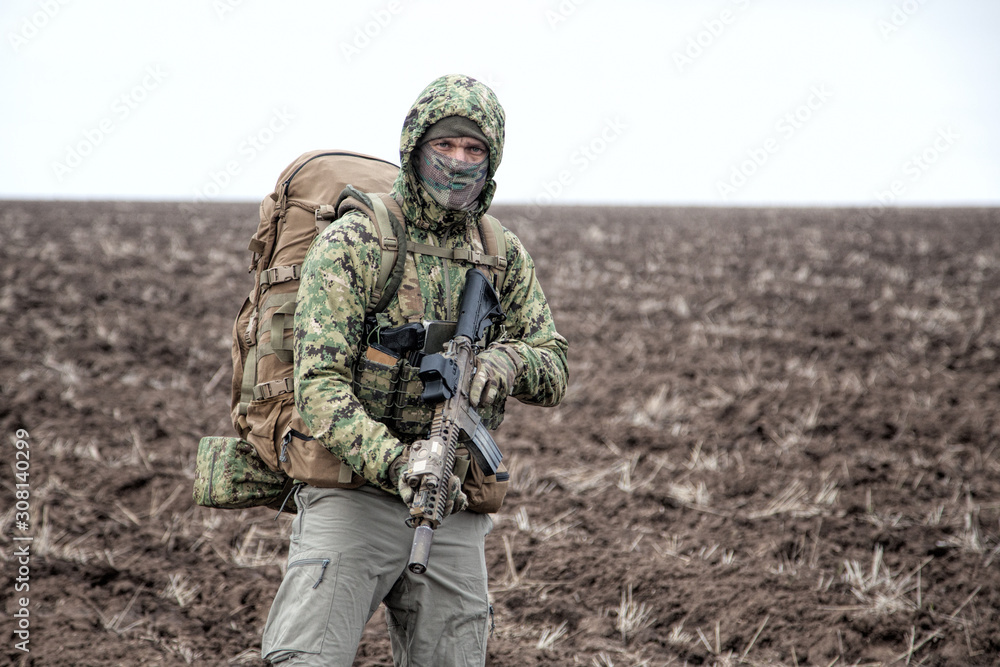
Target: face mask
{"x":452,"y":183}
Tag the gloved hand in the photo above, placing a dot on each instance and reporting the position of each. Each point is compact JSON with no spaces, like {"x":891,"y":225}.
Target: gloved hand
{"x":397,"y":476}
{"x":456,"y":502}
{"x":498,"y":368}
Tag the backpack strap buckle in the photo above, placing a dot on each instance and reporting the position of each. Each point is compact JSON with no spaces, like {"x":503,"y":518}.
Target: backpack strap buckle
{"x":273,"y":388}
{"x":325,"y":213}
{"x":280,"y":274}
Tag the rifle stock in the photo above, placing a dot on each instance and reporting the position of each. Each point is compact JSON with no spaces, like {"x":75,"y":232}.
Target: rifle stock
{"x":447,"y":378}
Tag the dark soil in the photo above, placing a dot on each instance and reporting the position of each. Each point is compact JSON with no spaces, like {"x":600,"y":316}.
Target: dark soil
{"x":779,"y":446}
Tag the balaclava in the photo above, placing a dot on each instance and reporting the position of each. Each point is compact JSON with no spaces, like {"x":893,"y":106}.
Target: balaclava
{"x":449,"y":96}
{"x":452,"y":183}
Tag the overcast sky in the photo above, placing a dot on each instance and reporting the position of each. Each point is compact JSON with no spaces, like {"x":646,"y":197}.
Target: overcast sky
{"x":726,"y":102}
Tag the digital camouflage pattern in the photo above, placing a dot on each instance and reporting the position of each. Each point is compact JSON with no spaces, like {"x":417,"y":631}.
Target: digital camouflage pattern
{"x":230,"y":475}
{"x":340,"y":272}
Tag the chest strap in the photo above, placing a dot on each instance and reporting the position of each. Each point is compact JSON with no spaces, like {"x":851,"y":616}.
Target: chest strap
{"x":466,"y":255}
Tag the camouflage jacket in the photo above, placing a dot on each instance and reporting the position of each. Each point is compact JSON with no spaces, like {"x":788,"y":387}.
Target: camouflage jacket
{"x":340,"y":272}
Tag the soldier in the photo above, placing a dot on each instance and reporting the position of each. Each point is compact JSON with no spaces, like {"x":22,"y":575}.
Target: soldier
{"x":349,"y":548}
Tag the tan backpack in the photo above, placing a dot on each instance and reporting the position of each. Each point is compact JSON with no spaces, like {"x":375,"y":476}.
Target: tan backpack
{"x":303,"y":203}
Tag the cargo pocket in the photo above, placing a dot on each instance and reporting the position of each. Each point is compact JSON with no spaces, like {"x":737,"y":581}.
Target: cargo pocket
{"x":300,"y":614}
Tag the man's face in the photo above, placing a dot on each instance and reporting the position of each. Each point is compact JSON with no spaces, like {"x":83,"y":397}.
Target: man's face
{"x":466,"y":149}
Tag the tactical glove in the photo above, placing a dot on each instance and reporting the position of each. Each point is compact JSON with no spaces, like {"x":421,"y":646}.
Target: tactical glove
{"x":457,"y":500}
{"x":498,"y":368}
{"x":397,"y":476}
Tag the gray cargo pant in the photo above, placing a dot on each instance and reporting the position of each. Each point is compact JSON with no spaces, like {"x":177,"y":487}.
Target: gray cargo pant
{"x":348,"y":552}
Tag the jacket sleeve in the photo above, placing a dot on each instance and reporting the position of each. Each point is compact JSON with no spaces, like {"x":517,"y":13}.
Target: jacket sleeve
{"x":338,"y":275}
{"x":530,"y":331}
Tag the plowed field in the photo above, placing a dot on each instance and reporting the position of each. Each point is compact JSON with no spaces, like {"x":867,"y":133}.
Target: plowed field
{"x":779,"y":446}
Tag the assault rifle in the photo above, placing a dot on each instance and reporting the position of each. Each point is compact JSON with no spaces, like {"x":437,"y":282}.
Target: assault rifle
{"x":447,"y":377}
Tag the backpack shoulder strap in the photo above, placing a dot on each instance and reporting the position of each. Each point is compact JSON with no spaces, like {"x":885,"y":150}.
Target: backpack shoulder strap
{"x":385,"y":213}
{"x":495,"y":246}
{"x":392,"y":241}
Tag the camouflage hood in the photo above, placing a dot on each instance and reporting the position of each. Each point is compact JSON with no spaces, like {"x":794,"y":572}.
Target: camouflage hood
{"x":452,"y":95}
